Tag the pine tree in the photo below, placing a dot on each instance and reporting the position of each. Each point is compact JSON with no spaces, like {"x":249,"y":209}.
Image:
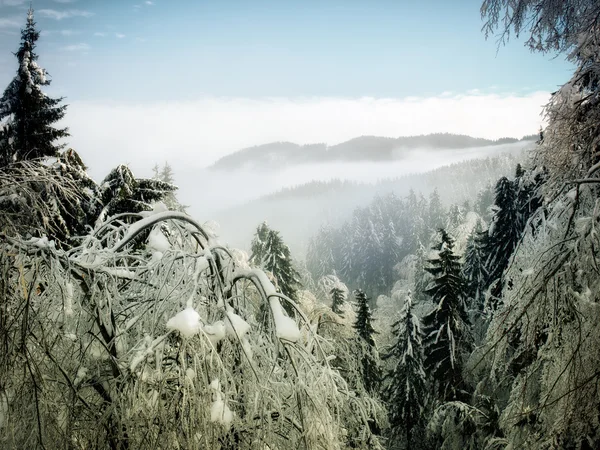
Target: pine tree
{"x":446,"y":328}
{"x":338,"y":297}
{"x":27,"y":111}
{"x":370,"y":359}
{"x":165,"y":174}
{"x":121,"y":192}
{"x":321,"y":253}
{"x":473,"y":270}
{"x":406,"y":387}
{"x":436,"y":211}
{"x":504,"y":234}
{"x":273,"y":255}
{"x":363,"y":325}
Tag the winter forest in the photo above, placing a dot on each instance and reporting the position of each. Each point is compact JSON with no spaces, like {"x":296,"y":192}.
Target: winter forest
{"x":454,"y":309}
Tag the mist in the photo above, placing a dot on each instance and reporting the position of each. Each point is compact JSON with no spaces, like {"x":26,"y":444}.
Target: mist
{"x":233,"y":188}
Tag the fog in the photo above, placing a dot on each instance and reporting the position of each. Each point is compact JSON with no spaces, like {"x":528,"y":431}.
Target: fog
{"x":209,"y":192}
{"x":195,"y":133}
{"x":192,"y":135}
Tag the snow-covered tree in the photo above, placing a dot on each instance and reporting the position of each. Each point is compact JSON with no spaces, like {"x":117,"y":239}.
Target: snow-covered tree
{"x":322,"y":251}
{"x":405,"y":386}
{"x":121,"y":192}
{"x":504,"y":234}
{"x":543,"y":344}
{"x":369,"y":357}
{"x":26,"y":112}
{"x":436,"y":214}
{"x":166,"y":175}
{"x":55,"y":200}
{"x":446,"y":328}
{"x":338,"y":298}
{"x":110,"y":345}
{"x":272,"y":254}
{"x":473,"y":269}
{"x":363,"y":325}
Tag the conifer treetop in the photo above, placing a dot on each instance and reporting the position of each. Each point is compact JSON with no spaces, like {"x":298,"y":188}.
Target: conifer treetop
{"x":26,"y":113}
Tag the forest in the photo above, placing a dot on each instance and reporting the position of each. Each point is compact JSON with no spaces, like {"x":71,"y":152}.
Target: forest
{"x":414,"y":323}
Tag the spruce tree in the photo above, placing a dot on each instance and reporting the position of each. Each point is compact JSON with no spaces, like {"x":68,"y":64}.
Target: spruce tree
{"x":504,"y":234}
{"x":436,"y":211}
{"x":165,"y":174}
{"x":446,"y":328}
{"x":406,"y":385}
{"x":371,"y":370}
{"x":338,"y":297}
{"x":364,"y":317}
{"x":121,"y":192}
{"x":473,"y":270}
{"x":28,"y":113}
{"x":273,"y":255}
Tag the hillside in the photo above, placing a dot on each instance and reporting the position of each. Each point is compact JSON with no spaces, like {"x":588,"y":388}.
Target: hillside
{"x":363,"y":148}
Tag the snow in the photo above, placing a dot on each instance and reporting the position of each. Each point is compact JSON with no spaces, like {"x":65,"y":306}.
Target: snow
{"x":119,"y":272}
{"x":157,"y":241}
{"x":187,"y":322}
{"x":68,"y":300}
{"x":190,"y":375}
{"x":82,"y":374}
{"x":285,"y":327}
{"x":42,"y":242}
{"x":215,"y":332}
{"x":236,"y":326}
{"x":219,"y":411}
{"x":247,"y":347}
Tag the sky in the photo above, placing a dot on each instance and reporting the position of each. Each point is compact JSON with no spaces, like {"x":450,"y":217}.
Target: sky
{"x":194,"y":80}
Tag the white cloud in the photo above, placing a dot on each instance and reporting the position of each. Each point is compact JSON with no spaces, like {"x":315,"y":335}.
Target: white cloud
{"x":99,"y":34}
{"x":11,"y":22}
{"x":65,"y":14}
{"x":149,"y":3}
{"x":68,"y":32}
{"x":65,"y":1}
{"x":76,"y":47}
{"x":119,"y":35}
{"x":196,"y":133}
{"x":12,"y":2}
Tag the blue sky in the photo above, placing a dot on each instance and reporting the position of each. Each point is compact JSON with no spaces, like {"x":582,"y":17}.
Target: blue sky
{"x":176,"y":50}
{"x":190,"y":81}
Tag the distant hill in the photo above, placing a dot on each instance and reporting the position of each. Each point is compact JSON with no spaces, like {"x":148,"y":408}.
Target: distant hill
{"x":363,"y":148}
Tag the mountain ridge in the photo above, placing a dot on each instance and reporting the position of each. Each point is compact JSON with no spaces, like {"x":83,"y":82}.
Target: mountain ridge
{"x":361,"y":148}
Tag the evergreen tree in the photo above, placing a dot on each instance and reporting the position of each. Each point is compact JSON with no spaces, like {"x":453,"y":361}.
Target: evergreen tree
{"x":436,"y":211}
{"x":503,"y":235}
{"x":121,"y":192}
{"x":473,"y":270}
{"x":447,"y":335}
{"x":363,"y":325}
{"x":321,"y":252}
{"x":406,"y":385}
{"x":273,"y":255}
{"x":528,"y":195}
{"x":370,"y":359}
{"x":456,"y":216}
{"x":28,"y":112}
{"x":338,"y":297}
{"x":485,"y":199}
{"x":165,"y":174}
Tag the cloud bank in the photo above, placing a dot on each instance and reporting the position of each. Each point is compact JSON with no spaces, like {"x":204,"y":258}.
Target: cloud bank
{"x":194,"y":134}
